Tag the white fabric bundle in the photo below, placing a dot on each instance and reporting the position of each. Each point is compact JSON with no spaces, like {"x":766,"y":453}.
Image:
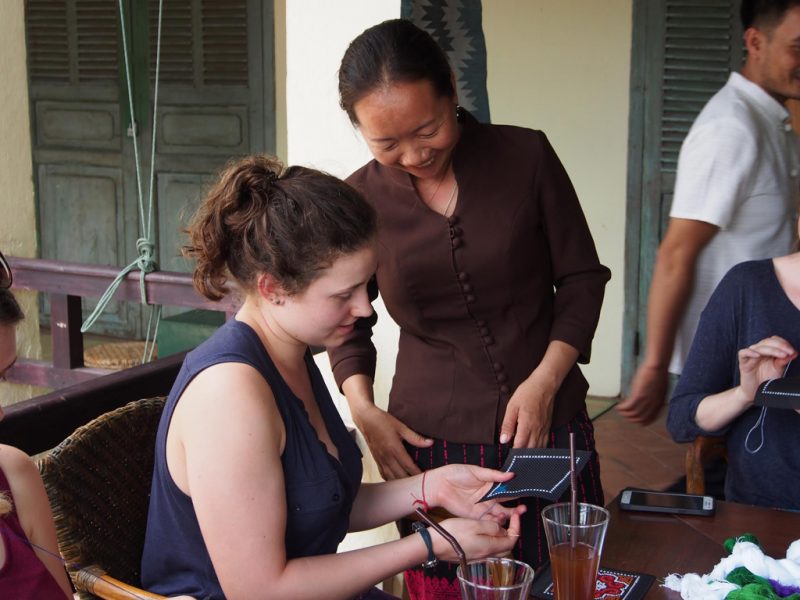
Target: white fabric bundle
{"x":714,"y":586}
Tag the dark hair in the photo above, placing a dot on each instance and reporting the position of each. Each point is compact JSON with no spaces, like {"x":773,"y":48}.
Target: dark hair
{"x":390,"y":52}
{"x":764,"y":14}
{"x":260,"y":218}
{"x":10,"y":312}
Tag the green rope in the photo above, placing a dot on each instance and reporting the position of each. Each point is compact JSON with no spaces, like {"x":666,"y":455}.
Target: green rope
{"x":145,"y":247}
{"x":144,"y":262}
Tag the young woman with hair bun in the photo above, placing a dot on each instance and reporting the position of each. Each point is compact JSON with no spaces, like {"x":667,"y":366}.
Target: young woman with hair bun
{"x":256,"y":478}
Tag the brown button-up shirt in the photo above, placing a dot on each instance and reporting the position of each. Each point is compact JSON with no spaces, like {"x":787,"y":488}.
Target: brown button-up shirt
{"x":479,"y":296}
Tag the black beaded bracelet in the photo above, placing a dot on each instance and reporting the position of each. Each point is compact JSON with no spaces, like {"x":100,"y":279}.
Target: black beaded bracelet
{"x":420,"y":528}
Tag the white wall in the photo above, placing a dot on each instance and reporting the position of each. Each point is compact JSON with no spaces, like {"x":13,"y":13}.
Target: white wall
{"x":318,"y":33}
{"x":17,"y":207}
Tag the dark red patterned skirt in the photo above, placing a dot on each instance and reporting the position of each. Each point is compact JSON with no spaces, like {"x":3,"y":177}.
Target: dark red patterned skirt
{"x":440,"y":583}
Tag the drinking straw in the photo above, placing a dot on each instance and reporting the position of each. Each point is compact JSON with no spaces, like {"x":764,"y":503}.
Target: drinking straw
{"x":462,"y":557}
{"x":573,"y":482}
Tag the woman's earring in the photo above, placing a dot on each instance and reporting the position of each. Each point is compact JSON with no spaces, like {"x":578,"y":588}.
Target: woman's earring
{"x":459,"y":113}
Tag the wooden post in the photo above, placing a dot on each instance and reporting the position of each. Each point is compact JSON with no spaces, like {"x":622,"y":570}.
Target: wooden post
{"x":65,"y":328}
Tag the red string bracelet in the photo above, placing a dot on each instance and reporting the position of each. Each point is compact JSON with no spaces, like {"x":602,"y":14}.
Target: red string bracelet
{"x":423,"y":503}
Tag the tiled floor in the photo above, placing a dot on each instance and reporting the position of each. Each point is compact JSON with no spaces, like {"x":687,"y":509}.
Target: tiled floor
{"x":631,"y":455}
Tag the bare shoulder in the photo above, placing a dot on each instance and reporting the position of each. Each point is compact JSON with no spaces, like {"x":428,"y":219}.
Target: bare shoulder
{"x":228,"y":399}
{"x":226,"y":385}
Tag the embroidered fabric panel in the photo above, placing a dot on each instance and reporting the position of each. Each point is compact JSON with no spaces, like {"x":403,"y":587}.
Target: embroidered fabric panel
{"x":457,"y":27}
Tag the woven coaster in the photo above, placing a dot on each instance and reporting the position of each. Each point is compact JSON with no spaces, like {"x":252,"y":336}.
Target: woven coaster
{"x":118,"y":355}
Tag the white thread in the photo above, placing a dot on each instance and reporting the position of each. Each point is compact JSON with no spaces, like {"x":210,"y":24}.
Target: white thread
{"x":760,"y":421}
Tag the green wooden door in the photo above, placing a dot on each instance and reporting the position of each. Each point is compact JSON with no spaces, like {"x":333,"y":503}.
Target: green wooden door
{"x":682,"y":53}
{"x":216,"y":101}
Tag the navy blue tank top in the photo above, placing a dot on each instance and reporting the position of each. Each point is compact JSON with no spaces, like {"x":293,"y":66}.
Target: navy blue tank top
{"x":319,"y":488}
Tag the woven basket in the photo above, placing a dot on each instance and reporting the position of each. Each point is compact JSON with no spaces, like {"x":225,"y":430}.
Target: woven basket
{"x":115,"y":356}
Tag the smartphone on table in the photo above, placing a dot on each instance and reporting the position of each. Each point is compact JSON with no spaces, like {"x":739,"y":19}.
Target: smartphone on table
{"x":666,"y":502}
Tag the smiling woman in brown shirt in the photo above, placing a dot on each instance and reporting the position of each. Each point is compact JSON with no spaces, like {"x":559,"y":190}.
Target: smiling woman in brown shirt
{"x":485,"y":261}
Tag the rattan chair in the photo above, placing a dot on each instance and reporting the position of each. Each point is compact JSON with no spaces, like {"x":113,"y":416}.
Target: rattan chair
{"x":698,"y":455}
{"x":98,"y":482}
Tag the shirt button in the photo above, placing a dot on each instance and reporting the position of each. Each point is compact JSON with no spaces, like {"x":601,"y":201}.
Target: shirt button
{"x":497,"y":367}
{"x":481,"y":323}
{"x":466,"y":287}
{"x":793,"y":172}
{"x":336,"y":496}
{"x":505,"y":389}
{"x":463,"y":276}
{"x":787,"y":126}
{"x":488,"y":340}
{"x":484,"y":331}
{"x":501,"y":377}
{"x":470,"y":298}
{"x":456,"y":242}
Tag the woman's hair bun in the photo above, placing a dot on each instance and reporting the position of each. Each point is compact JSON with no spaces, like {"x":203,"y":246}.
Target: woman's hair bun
{"x":262,"y":218}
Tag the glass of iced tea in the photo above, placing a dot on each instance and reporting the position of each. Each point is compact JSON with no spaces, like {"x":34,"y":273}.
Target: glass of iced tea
{"x":495,"y":579}
{"x":574,"y":549}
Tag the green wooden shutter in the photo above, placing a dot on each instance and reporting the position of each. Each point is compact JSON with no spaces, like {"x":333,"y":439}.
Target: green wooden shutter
{"x":48,"y":43}
{"x":683,"y":52}
{"x":203,"y":42}
{"x":96,"y":26}
{"x":224,"y":42}
{"x":700,"y":39}
{"x":216,"y":101}
{"x":177,"y":57}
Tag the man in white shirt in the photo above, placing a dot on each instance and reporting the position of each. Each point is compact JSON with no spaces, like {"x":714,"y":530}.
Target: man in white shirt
{"x":735,"y":195}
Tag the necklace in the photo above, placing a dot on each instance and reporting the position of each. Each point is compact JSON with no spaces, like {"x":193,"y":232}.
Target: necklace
{"x":436,"y":191}
{"x":430,"y":201}
{"x":446,"y":212}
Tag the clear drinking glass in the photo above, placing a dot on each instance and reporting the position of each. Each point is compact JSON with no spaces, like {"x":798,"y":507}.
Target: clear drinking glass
{"x":574,"y":549}
{"x":495,"y":579}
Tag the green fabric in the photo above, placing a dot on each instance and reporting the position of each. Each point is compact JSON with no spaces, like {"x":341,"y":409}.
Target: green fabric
{"x":742,"y":576}
{"x":758,"y":591}
{"x":753,"y":587}
{"x":753,"y":591}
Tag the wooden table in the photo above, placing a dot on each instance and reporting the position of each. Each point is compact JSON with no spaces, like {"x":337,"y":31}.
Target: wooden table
{"x":660,"y":544}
